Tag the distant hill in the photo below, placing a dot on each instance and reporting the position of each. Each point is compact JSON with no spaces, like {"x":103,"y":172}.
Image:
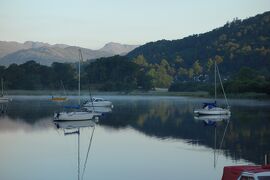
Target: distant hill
{"x":118,"y":49}
{"x":236,"y":44}
{"x":44,"y":53}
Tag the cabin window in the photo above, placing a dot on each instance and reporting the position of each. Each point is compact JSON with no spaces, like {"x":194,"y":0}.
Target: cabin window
{"x":246,"y":178}
{"x":263,"y":177}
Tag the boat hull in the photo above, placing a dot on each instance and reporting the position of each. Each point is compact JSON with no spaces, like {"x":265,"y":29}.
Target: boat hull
{"x":59,"y":99}
{"x":5,"y":99}
{"x":76,"y":116}
{"x":213,"y":111}
{"x":215,"y":118}
{"x":98,"y":104}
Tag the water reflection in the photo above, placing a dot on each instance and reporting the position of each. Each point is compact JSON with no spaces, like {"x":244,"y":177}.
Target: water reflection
{"x":74,"y":128}
{"x":3,"y":108}
{"x":213,"y":121}
{"x":247,"y":134}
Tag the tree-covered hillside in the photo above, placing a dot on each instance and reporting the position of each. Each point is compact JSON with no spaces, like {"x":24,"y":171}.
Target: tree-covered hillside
{"x":238,"y":43}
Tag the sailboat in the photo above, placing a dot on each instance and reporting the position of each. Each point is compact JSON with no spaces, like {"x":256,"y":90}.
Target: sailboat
{"x":60,"y":98}
{"x":80,"y":114}
{"x":74,"y":127}
{"x":212,"y":108}
{"x":3,"y":98}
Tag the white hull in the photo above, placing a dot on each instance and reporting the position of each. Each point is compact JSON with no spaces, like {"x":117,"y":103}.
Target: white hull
{"x":98,"y":104}
{"x":76,"y":116}
{"x":215,"y":118}
{"x":4,"y":99}
{"x":213,"y":111}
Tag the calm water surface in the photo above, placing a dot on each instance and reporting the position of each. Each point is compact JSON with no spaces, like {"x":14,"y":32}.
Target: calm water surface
{"x":142,"y":138}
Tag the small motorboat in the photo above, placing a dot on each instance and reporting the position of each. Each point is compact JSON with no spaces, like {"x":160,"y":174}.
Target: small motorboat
{"x":246,"y":172}
{"x":59,"y":99}
{"x":97,"y":102}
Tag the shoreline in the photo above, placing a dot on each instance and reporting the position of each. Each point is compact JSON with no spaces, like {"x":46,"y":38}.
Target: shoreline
{"x":200,"y":94}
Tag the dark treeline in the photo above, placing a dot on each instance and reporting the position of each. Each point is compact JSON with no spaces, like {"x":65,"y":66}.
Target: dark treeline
{"x":33,"y":76}
{"x":118,"y":74}
{"x":247,"y":80}
{"x":108,"y":74}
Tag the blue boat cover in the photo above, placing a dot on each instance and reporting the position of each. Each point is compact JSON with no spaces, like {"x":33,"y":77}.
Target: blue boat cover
{"x":72,"y":107}
{"x":210,"y":105}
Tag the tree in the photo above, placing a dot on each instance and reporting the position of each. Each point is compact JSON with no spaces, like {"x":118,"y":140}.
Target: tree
{"x":190,"y":73}
{"x":209,"y":64}
{"x":218,"y":59}
{"x":197,"y":68}
{"x":140,"y":60}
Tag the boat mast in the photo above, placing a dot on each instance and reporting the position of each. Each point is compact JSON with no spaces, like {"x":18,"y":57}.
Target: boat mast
{"x":222,"y":88}
{"x":79,"y":77}
{"x":215,"y":81}
{"x":2,"y":84}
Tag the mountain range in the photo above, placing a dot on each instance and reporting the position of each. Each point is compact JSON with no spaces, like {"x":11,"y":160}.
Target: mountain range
{"x":46,"y":54}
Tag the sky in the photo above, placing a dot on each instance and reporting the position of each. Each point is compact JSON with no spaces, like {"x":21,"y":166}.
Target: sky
{"x":93,"y":23}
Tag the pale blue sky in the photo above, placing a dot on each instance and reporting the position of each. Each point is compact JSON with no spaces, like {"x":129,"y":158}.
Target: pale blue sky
{"x":92,"y":23}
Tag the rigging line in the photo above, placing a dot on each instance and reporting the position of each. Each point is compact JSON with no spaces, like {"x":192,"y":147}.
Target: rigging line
{"x":89,"y":147}
{"x":222,"y":88}
{"x":63,"y":88}
{"x":223,"y":136}
{"x":78,"y":154}
{"x":91,"y":98}
{"x":215,"y":147}
{"x":215,"y":81}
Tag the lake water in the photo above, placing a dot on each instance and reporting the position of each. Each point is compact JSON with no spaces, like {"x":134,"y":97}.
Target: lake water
{"x":142,"y":138}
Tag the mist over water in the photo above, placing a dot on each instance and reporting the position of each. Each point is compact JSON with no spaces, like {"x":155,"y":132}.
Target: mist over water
{"x":144,"y":137}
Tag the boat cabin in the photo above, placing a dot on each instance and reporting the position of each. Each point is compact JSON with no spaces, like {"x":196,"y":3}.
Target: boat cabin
{"x":246,"y":172}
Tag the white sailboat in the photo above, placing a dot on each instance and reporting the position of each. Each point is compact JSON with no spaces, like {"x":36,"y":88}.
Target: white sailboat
{"x":213,"y":108}
{"x":3,"y":98}
{"x":80,"y":114}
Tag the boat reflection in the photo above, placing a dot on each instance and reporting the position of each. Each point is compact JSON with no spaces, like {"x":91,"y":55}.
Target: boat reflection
{"x":212,"y":121}
{"x":3,"y":108}
{"x":73,"y":128}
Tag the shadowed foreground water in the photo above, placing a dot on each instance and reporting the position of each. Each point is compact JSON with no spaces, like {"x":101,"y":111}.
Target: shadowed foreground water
{"x":142,"y":138}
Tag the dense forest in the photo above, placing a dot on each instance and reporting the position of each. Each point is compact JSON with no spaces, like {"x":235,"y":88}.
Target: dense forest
{"x":108,"y":74}
{"x":237,"y":44}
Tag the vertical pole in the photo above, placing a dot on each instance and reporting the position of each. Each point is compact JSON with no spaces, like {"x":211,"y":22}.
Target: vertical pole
{"x":78,"y":154}
{"x":2,"y":84}
{"x":79,"y":77}
{"x":215,"y":81}
{"x":215,"y":147}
